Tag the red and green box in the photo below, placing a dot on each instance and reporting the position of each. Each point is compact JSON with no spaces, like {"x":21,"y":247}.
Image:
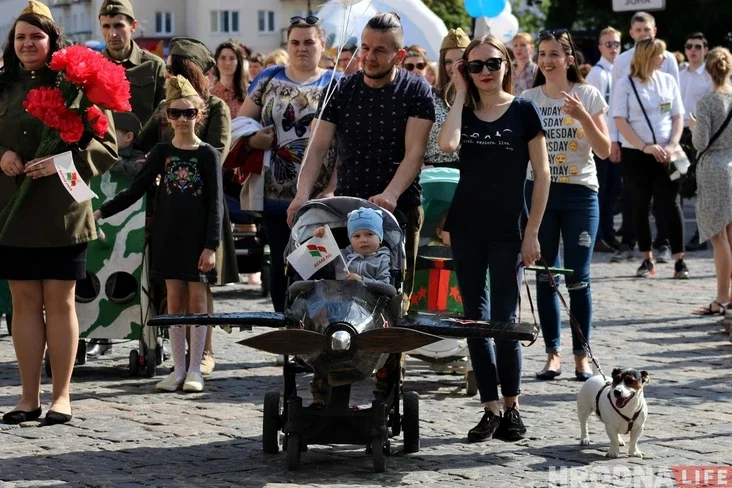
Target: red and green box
{"x":436,"y":288}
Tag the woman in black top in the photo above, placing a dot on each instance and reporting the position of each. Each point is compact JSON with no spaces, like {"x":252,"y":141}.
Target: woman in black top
{"x":497,"y":135}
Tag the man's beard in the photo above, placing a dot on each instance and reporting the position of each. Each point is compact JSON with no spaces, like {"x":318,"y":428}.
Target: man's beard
{"x":378,"y":76}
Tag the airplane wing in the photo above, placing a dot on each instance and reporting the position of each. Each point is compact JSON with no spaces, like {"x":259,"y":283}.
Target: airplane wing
{"x":245,"y":320}
{"x":450,"y":327}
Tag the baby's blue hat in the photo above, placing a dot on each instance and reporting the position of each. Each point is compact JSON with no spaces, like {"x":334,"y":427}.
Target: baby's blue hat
{"x":366,"y":218}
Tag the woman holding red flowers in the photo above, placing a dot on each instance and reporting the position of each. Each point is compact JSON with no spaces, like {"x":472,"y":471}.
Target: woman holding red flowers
{"x":43,"y":251}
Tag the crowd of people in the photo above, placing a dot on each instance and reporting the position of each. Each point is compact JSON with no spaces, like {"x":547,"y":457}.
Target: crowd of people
{"x":555,"y":146}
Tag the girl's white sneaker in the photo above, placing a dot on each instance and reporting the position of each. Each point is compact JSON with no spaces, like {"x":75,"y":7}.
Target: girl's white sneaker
{"x":170,"y":383}
{"x":194,"y":382}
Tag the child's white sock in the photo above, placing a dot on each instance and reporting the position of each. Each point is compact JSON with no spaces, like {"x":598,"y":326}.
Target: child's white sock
{"x":178,"y":348}
{"x":198,"y":343}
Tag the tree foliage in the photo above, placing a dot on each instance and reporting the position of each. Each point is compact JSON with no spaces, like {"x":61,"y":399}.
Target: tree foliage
{"x":452,"y":12}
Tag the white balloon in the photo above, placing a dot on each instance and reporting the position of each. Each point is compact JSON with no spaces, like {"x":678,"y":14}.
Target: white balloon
{"x":504,"y":27}
{"x":506,"y":11}
{"x":348,"y":3}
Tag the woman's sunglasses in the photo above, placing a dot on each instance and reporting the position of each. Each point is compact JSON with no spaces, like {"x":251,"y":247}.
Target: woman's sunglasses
{"x":309,"y":20}
{"x":186,"y":113}
{"x":555,"y":33}
{"x":493,"y":64}
{"x":411,"y":66}
{"x":169,"y":69}
{"x":612,"y":44}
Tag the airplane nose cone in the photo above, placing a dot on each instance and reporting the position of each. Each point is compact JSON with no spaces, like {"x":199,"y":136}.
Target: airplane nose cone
{"x":340,"y":341}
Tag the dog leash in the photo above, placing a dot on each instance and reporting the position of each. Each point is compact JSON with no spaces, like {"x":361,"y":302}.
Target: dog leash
{"x":573,"y":322}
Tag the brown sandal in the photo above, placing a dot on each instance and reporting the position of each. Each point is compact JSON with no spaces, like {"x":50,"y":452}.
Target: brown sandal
{"x":709,"y":309}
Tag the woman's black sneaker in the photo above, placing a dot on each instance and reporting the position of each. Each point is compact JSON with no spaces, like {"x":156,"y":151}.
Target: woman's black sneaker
{"x":511,"y":427}
{"x":485,"y":428}
{"x":681,"y":272}
{"x":646,"y":269}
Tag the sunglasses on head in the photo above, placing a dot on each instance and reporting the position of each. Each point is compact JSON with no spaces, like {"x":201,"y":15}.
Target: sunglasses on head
{"x":310,"y":19}
{"x":186,"y":113}
{"x":411,"y":66}
{"x":493,"y":64}
{"x":555,"y":33}
{"x":611,"y":44}
{"x":695,"y":47}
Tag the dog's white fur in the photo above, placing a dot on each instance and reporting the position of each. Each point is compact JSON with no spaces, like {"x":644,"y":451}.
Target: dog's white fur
{"x":615,"y":425}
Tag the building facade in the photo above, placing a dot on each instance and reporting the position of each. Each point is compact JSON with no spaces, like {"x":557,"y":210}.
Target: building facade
{"x":257,"y":24}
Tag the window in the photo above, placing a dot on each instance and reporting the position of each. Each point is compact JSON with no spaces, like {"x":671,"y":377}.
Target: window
{"x":225,"y":21}
{"x":163,"y":22}
{"x":266,"y":22}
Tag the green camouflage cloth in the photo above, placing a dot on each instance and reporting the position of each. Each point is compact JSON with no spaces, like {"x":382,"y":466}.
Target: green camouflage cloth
{"x":115,"y":310}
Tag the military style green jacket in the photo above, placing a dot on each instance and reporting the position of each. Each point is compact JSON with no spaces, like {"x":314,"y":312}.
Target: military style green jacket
{"x":48,"y":216}
{"x":146,"y":73}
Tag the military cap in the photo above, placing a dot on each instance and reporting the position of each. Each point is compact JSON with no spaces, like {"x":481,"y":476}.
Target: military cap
{"x":194,"y":50}
{"x":37,"y":8}
{"x":178,"y":87}
{"x":116,"y":7}
{"x":455,"y":39}
{"x":127,"y":122}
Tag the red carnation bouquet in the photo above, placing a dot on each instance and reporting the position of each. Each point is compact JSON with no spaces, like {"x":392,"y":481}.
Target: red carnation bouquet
{"x":70,"y":110}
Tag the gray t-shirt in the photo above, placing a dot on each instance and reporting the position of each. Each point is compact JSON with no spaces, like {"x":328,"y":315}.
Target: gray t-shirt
{"x":570,"y":153}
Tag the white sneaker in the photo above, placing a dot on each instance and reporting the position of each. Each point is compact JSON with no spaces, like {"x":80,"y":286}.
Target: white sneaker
{"x":207,"y":363}
{"x":170,"y":383}
{"x":194,"y":382}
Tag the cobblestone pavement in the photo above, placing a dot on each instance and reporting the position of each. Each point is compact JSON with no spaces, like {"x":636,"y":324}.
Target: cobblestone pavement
{"x":124,"y":434}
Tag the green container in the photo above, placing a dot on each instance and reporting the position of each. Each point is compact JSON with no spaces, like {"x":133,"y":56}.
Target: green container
{"x":109,"y":301}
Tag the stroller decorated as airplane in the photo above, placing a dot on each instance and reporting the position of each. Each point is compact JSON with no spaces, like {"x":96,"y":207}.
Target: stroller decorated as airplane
{"x":345,"y":331}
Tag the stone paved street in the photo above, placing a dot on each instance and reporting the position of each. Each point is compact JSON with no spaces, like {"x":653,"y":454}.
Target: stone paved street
{"x":124,"y":434}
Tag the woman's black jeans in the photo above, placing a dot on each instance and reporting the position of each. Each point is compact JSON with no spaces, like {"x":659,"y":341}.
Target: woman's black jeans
{"x":274,"y":221}
{"x":647,"y":180}
{"x":472,"y":258}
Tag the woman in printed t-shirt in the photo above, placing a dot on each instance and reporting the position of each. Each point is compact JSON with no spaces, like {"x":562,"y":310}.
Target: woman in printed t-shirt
{"x":497,"y":134}
{"x":285,"y":99}
{"x":573,"y":114}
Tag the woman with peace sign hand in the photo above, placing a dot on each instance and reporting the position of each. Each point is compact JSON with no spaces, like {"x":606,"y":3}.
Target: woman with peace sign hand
{"x":573,"y":115}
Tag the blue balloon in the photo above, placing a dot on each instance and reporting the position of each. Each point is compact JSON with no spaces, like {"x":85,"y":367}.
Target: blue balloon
{"x":492,"y":8}
{"x":475,"y":7}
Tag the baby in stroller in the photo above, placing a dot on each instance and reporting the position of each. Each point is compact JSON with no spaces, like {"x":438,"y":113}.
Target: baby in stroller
{"x":366,"y":259}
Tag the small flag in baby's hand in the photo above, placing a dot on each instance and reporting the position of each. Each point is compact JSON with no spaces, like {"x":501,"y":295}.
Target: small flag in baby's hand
{"x":314,"y":254}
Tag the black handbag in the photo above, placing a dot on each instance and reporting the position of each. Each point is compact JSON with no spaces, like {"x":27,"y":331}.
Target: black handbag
{"x":680,"y":164}
{"x":688,"y":185}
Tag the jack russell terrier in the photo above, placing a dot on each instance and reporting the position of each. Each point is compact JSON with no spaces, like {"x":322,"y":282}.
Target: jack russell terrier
{"x":620,"y":405}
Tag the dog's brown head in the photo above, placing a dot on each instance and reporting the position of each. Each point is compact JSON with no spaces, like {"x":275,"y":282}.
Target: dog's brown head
{"x":627,"y":383}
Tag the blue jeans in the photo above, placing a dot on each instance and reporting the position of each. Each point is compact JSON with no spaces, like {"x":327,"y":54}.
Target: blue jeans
{"x":472,"y":257}
{"x":573,"y":214}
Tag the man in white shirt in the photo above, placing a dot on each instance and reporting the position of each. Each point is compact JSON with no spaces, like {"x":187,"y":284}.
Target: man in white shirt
{"x":694,"y":82}
{"x":642,"y":25}
{"x":608,"y":173}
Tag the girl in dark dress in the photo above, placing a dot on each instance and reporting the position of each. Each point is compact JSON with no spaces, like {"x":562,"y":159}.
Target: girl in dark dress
{"x":187,"y":227}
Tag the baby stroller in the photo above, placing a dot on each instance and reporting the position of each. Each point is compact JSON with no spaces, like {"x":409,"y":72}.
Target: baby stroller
{"x":435,"y":283}
{"x":252,"y":251}
{"x":336,"y":422}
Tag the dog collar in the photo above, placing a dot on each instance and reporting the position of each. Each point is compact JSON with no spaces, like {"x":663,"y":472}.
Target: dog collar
{"x":630,"y":421}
